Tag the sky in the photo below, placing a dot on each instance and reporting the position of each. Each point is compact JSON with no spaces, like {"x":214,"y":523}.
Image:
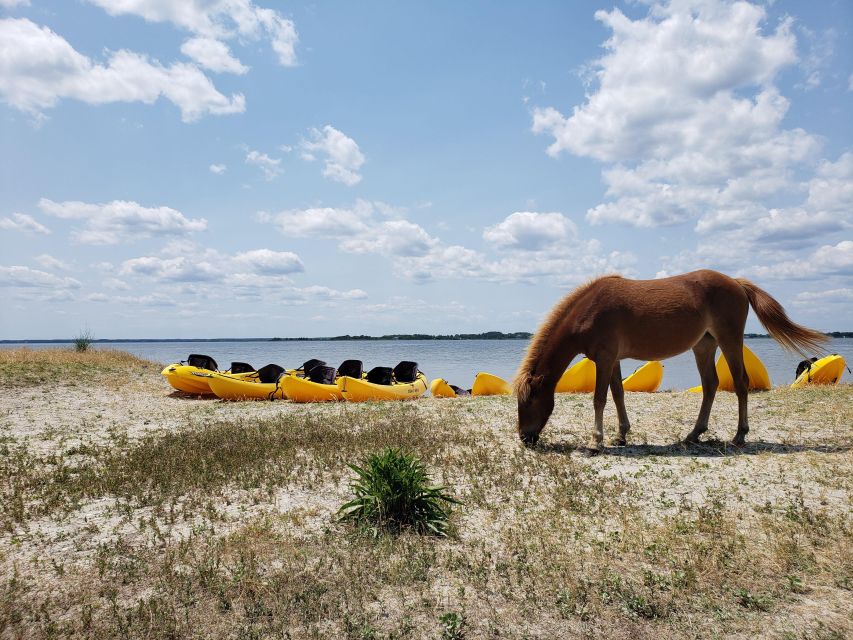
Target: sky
{"x":243,"y":168}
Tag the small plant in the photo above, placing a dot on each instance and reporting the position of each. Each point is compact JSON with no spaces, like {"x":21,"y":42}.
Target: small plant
{"x":83,"y":340}
{"x":394,"y":491}
{"x":452,"y":626}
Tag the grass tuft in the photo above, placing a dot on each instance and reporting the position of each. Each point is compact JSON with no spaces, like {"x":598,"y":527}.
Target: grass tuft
{"x":393,"y":492}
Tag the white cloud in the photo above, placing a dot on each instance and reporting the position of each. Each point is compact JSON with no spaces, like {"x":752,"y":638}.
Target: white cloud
{"x":39,"y":67}
{"x":830,"y":296}
{"x":826,"y":261}
{"x":220,"y":19}
{"x":686,"y":115}
{"x":23,"y":222}
{"x":47,"y":261}
{"x":267,"y":262}
{"x":531,"y":231}
{"x":24,"y":277}
{"x":121,"y":220}
{"x":11,"y":4}
{"x":343,"y":158}
{"x":218,"y":169}
{"x":213,"y":55}
{"x":269,"y":166}
{"x":324,"y":222}
{"x":392,"y":238}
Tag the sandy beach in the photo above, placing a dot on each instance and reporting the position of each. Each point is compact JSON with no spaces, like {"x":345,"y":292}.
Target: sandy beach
{"x":133,"y":511}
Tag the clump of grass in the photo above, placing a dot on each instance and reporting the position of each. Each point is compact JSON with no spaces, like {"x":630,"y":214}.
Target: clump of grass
{"x":28,"y":367}
{"x":393,"y":491}
{"x":83,"y":340}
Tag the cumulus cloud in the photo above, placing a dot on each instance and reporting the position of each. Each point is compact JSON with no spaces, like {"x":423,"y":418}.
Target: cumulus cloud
{"x":219,"y":20}
{"x":419,"y":256}
{"x":213,"y":55}
{"x":26,"y":278}
{"x":341,"y":154}
{"x":23,"y":222}
{"x":11,"y":4}
{"x":39,"y":67}
{"x":218,"y":169}
{"x":47,"y":261}
{"x":121,"y":220}
{"x":531,"y":231}
{"x":830,"y":296}
{"x":685,"y":114}
{"x":826,"y":261}
{"x":270,"y":167}
{"x":267,"y":262}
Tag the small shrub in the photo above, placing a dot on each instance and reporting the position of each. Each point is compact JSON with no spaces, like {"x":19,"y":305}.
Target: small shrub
{"x":452,"y":626}
{"x":83,"y":340}
{"x":393,"y":491}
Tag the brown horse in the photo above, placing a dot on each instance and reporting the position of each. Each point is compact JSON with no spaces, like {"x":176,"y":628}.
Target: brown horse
{"x":611,"y":318}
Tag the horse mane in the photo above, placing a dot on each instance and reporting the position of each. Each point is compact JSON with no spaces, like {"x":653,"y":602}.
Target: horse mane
{"x":544,"y":334}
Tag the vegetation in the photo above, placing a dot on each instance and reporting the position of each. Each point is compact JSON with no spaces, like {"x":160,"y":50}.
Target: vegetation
{"x":393,"y":492}
{"x":83,"y":340}
{"x":128,"y":512}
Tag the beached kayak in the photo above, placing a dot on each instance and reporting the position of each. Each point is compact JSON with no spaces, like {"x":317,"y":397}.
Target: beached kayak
{"x":759,"y":379}
{"x":190,"y":377}
{"x":827,"y":370}
{"x":361,"y":390}
{"x":304,"y":390}
{"x":646,"y":378}
{"x":487,"y":384}
{"x":579,"y":378}
{"x":440,"y":388}
{"x":266,"y":385}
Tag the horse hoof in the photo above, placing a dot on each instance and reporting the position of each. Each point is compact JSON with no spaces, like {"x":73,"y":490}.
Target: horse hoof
{"x":689,"y":441}
{"x":591,"y":452}
{"x":740,"y":444}
{"x":619,"y":442}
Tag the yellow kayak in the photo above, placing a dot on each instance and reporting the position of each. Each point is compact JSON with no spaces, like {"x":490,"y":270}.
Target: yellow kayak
{"x":646,"y":378}
{"x":193,"y":379}
{"x":440,"y":388}
{"x":759,"y":379}
{"x":304,"y":390}
{"x":827,"y":370}
{"x":360,"y":390}
{"x":266,"y":385}
{"x":486,"y":384}
{"x":579,"y":378}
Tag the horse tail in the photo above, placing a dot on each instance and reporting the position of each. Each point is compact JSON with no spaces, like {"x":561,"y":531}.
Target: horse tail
{"x":792,"y":336}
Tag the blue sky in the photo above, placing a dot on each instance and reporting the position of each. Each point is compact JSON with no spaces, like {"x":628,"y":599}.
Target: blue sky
{"x":206,"y":168}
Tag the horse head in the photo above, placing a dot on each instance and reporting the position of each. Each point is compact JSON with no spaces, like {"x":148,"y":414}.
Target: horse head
{"x":535,"y":404}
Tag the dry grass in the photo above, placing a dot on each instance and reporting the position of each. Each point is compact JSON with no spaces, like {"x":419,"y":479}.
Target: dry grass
{"x":218,"y":519}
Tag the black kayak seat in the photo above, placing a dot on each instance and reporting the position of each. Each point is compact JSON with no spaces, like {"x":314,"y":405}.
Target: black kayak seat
{"x":321,"y":374}
{"x":241,"y":367}
{"x":270,"y":373}
{"x":380,"y":375}
{"x":805,"y":365}
{"x":459,"y":391}
{"x":406,"y":371}
{"x":351,"y":368}
{"x":202,"y":362}
{"x":310,"y":364}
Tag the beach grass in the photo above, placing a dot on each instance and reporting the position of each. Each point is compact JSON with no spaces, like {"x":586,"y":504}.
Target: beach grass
{"x":132,"y":511}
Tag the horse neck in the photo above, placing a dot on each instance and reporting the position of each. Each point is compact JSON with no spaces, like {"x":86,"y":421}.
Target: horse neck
{"x":556,"y":355}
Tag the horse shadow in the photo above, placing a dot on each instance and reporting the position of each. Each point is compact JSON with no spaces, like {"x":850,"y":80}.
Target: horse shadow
{"x":704,"y":449}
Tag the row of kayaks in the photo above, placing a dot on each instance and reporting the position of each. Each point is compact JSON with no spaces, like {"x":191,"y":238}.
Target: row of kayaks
{"x":315,"y":381}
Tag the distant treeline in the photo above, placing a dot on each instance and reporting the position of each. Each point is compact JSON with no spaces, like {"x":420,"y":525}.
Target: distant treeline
{"x":488,"y":335}
{"x":831,"y":334}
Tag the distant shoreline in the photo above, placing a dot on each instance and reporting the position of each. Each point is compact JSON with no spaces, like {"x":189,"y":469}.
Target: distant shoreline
{"x":489,"y":335}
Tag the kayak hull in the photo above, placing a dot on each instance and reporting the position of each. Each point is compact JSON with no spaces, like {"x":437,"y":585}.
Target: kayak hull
{"x":759,"y":379}
{"x":579,"y":378}
{"x":360,"y":390}
{"x":181,"y":378}
{"x":304,"y":390}
{"x":228,"y":387}
{"x":487,"y":384}
{"x":646,"y":379}
{"x":827,"y":370}
{"x":440,"y":388}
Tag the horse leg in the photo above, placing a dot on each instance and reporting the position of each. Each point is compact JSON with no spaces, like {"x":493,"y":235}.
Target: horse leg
{"x":618,"y":394}
{"x":733,"y":350}
{"x":704,"y":351}
{"x":603,"y":370}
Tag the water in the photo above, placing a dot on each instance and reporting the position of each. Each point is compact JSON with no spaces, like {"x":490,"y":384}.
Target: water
{"x":458,"y":361}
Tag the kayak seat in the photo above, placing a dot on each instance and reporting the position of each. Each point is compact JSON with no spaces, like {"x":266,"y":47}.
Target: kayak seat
{"x":310,"y":364}
{"x":270,"y":373}
{"x":460,"y":391}
{"x":351,"y":368}
{"x":202,"y":362}
{"x":321,"y":374}
{"x":380,"y":375}
{"x":406,"y":371}
{"x":241,"y":367}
